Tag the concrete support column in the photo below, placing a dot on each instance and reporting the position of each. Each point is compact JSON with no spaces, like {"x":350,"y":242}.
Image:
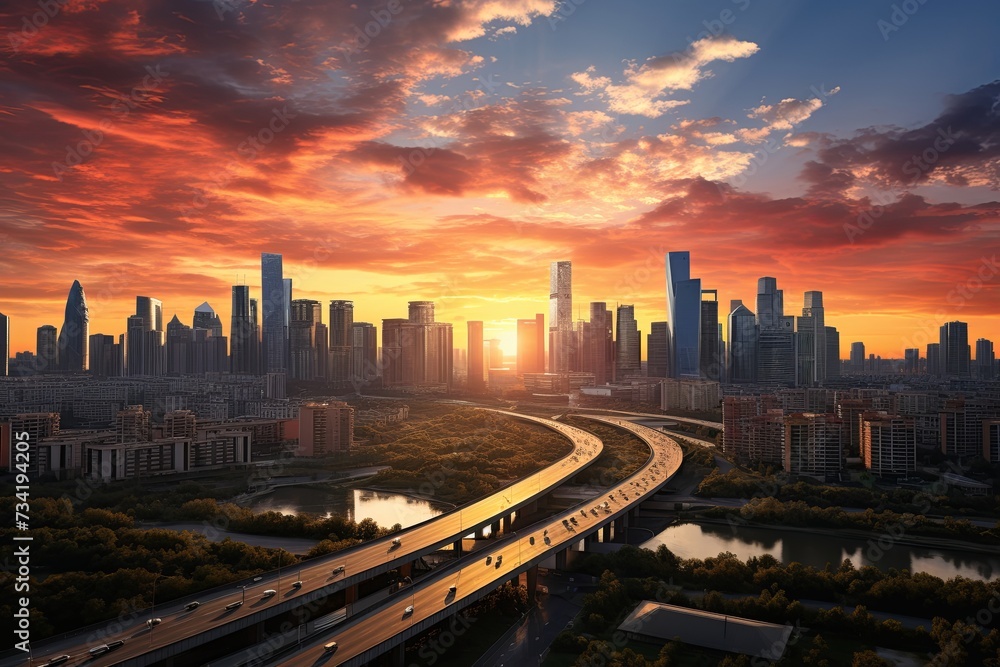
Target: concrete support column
{"x":481,"y":533}
{"x":495,"y":529}
{"x":351,"y":594}
{"x":620,"y":529}
{"x":561,"y":559}
{"x":606,"y":537}
{"x":507,"y":521}
{"x":406,"y":570}
{"x":399,"y":656}
{"x":532,"y":582}
{"x":457,"y":547}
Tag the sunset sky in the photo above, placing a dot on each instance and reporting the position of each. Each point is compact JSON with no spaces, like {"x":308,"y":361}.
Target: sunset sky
{"x":463,"y":145}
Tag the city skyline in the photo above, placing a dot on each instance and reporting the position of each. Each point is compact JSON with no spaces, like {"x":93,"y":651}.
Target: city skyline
{"x":757,"y":151}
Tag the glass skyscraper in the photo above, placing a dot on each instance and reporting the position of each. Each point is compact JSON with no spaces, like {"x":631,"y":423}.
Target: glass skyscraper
{"x":274,"y":292}
{"x":560,"y":316}
{"x":684,"y":310}
{"x":74,"y":337}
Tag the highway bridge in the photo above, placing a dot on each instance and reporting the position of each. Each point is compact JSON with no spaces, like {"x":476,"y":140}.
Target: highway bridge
{"x":446,"y":591}
{"x":182,"y":630}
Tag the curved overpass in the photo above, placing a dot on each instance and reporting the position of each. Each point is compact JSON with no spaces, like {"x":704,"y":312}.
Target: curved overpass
{"x":182,"y":630}
{"x":364,"y":637}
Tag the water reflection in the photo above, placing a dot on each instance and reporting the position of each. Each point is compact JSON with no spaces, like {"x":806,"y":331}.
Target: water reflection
{"x":700,"y":541}
{"x":386,"y":509}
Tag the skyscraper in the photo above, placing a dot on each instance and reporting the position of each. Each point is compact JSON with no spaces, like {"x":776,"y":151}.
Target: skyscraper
{"x":985,"y":359}
{"x":657,"y":350}
{"x":742,"y":366}
{"x":273,"y":292}
{"x":531,"y":345}
{"x":476,"y":363}
{"x":364,"y":354}
{"x":205,"y":318}
{"x":46,"y":348}
{"x":709,"y":359}
{"x":955,"y":352}
{"x":684,"y":311}
{"x":832,"y":352}
{"x":106,"y":359}
{"x":560,"y":316}
{"x":911,"y":360}
{"x":934,"y":359}
{"x":4,"y":345}
{"x":74,"y":337}
{"x":151,"y":312}
{"x":417,"y":353}
{"x":135,"y":332}
{"x":178,"y":347}
{"x":628,"y":353}
{"x":303,"y":339}
{"x":770,"y":303}
{"x":857,"y":357}
{"x":243,"y":349}
{"x":599,"y":343}
{"x":341,"y":340}
{"x":811,"y":344}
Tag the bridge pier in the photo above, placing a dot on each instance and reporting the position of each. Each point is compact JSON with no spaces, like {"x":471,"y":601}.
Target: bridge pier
{"x":399,"y":656}
{"x":351,"y":595}
{"x":495,"y":529}
{"x":481,"y":533}
{"x":606,"y":533}
{"x":507,"y":521}
{"x":561,"y":559}
{"x":457,"y":547}
{"x":532,"y":582}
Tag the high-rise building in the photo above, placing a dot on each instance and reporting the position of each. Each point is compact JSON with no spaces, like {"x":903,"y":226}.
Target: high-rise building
{"x":811,"y":343}
{"x":244,"y":352}
{"x":560,"y":316}
{"x":4,"y":345}
{"x":106,"y":357}
{"x":74,"y":337}
{"x":273,"y":292}
{"x":658,"y":350}
{"x":205,"y":318}
{"x":304,"y":341}
{"x":911,"y":360}
{"x":364,"y":355}
{"x":770,"y":303}
{"x":531,"y":345}
{"x":754,"y":428}
{"x":743,"y":342}
{"x":46,"y":348}
{"x":495,"y":357}
{"x":684,"y":312}
{"x":628,"y":352}
{"x":832,"y":352}
{"x":341,"y":341}
{"x":955,"y":350}
{"x":985,"y":359}
{"x":934,"y":359}
{"x":417,"y":353}
{"x":709,"y":347}
{"x":599,"y":344}
{"x":888,"y":444}
{"x":151,"y":312}
{"x":776,"y":353}
{"x":961,"y":421}
{"x":325,"y":428}
{"x":476,"y":381}
{"x":857,"y":358}
{"x":813,"y":444}
{"x":178,"y":347}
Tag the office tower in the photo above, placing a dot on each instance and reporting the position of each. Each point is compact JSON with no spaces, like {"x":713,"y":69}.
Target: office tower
{"x":531,"y":345}
{"x":205,"y":318}
{"x":179,"y":353}
{"x":811,"y":343}
{"x":743,"y":341}
{"x":46,"y":348}
{"x":709,"y":361}
{"x":888,"y":444}
{"x":911,"y":360}
{"x":364,"y":355}
{"x":560,"y":316}
{"x":303,"y":339}
{"x":273,"y":292}
{"x":495,"y":357}
{"x":135,"y":332}
{"x":106,"y":358}
{"x":151,"y":312}
{"x":75,"y":333}
{"x":961,"y":422}
{"x":857,"y":358}
{"x":934,"y":359}
{"x":684,"y":312}
{"x":776,"y":353}
{"x":243,"y":348}
{"x":658,"y":350}
{"x":813,"y":445}
{"x":955,"y":351}
{"x":599,"y":354}
{"x":417,"y":352}
{"x":476,"y":381}
{"x":4,"y":345}
{"x":770,"y":303}
{"x":985,"y":359}
{"x":325,"y":428}
{"x":628,"y":352}
{"x":341,"y":341}
{"x":832,"y":353}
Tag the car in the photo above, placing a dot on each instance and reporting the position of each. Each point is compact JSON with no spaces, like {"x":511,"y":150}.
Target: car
{"x":396,"y":542}
{"x":98,"y":650}
{"x":116,"y":644}
{"x":58,"y":660}
{"x":257,"y":579}
{"x":408,"y":610}
{"x":489,"y":559}
{"x":331,"y":647}
{"x":192,"y":605}
{"x":154,"y":621}
{"x":452,"y":589}
{"x":268,"y":593}
{"x":234,"y":605}
{"x":297,"y":584}
{"x":338,"y":569}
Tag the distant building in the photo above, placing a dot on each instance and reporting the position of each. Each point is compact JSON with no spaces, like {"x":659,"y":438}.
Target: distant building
{"x":304,"y":342}
{"x":561,"y":347}
{"x":691,"y":395}
{"x":955,"y":353}
{"x":911,"y":361}
{"x":4,"y":345}
{"x":627,"y":345}
{"x":658,"y":350}
{"x":991,"y":440}
{"x":531,"y":345}
{"x":753,"y":429}
{"x":961,"y":422}
{"x":325,"y":428}
{"x":475,"y":372}
{"x":710,"y":362}
{"x":985,"y":359}
{"x":365,"y":369}
{"x":888,"y":444}
{"x":743,"y":342}
{"x":107,"y":358}
{"x":341,"y":347}
{"x":857,"y":358}
{"x":934,"y":364}
{"x":276,"y":313}
{"x":685,"y":315}
{"x":832,"y":353}
{"x":417,"y":351}
{"x":813,"y":445}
